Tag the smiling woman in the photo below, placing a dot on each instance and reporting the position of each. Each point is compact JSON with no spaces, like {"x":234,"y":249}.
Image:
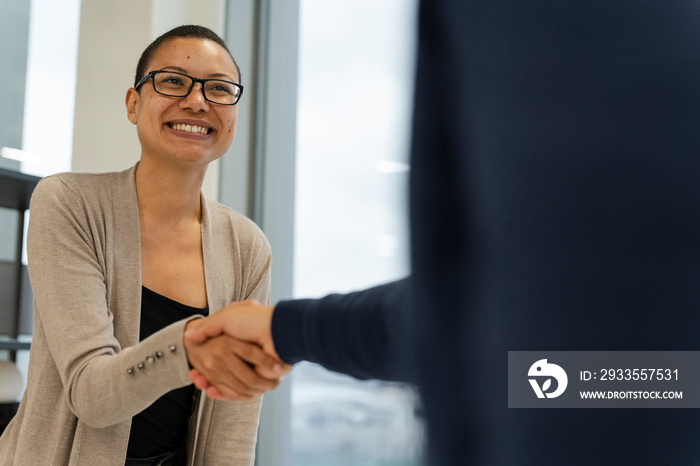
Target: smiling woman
{"x":162,"y":112}
{"x":122,"y":263}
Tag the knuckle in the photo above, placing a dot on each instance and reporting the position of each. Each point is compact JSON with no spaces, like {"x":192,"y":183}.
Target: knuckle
{"x":246,"y":351}
{"x":249,"y":378}
{"x":207,"y":364}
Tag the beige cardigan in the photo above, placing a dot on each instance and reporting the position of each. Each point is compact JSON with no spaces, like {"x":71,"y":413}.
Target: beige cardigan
{"x":88,"y":373}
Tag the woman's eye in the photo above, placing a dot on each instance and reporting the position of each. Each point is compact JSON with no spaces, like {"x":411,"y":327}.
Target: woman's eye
{"x":171,"y":81}
{"x":220,"y":88}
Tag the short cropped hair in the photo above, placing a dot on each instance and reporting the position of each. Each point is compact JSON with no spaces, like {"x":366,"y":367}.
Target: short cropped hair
{"x":189,"y":30}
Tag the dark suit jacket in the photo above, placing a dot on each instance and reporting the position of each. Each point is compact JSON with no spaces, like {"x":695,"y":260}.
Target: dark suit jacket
{"x":555,"y":205}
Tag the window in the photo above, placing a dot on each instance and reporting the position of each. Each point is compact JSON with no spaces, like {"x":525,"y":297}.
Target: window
{"x":42,"y":143}
{"x":354,"y":108}
{"x":41,"y":45}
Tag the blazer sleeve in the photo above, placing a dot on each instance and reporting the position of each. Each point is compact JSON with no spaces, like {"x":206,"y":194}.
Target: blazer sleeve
{"x":363,"y":334}
{"x":103,"y":383}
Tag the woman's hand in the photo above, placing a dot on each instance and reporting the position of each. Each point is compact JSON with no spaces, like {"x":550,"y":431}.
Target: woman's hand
{"x":234,"y":367}
{"x":246,"y":321}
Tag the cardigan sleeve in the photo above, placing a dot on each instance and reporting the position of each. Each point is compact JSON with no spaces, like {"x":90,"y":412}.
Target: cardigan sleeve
{"x":362,"y":334}
{"x":103,"y":383}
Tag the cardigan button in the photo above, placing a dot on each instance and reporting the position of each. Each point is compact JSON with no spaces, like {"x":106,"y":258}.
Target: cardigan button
{"x":159,"y":354}
{"x":130,"y":371}
{"x":150,"y":359}
{"x":141,"y":366}
{"x":172,"y":348}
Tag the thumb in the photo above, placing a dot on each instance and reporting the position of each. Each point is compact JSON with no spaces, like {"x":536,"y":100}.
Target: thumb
{"x":204,"y":329}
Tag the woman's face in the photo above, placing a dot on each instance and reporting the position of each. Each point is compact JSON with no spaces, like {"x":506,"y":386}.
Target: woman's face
{"x":160,"y":120}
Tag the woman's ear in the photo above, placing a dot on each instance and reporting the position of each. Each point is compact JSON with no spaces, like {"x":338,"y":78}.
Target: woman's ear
{"x":133,"y":100}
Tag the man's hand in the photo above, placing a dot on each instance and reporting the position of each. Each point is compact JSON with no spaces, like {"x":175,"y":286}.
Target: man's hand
{"x":239,"y":370}
{"x":249,"y":322}
{"x":246,"y":320}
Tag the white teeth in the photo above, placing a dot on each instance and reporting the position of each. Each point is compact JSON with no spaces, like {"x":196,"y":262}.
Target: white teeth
{"x":190,"y":128}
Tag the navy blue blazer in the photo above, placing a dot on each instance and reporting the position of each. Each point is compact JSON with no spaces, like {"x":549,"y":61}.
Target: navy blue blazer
{"x":555,"y":205}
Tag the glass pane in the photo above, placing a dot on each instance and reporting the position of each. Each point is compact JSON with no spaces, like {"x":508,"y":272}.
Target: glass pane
{"x":356,"y":78}
{"x":36,"y":138}
{"x":44,"y":52}
{"x":14,"y":33}
{"x":52,"y":65}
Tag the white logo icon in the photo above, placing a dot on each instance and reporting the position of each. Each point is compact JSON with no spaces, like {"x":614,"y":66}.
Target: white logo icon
{"x":543,"y":369}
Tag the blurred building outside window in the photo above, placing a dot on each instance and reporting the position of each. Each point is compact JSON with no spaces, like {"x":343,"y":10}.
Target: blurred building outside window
{"x":356,"y":71}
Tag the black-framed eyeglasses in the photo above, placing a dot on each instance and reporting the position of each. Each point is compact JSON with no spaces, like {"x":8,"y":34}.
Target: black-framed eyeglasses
{"x":174,"y":84}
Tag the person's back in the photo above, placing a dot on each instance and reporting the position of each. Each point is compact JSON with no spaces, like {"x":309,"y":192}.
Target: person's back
{"x":555,"y":206}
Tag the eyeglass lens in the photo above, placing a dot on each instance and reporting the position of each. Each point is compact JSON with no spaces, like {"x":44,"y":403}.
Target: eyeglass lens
{"x":178,"y":85}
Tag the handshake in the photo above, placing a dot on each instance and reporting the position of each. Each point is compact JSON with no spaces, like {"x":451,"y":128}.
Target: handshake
{"x":232,"y":353}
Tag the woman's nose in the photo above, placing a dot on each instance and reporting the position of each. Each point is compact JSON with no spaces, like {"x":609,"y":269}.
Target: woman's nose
{"x":195,"y":100}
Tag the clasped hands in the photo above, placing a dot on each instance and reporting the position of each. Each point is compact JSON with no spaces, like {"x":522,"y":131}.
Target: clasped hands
{"x":232,"y":352}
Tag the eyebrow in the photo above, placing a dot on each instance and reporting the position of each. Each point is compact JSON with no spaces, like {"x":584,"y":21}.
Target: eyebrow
{"x":211,"y":76}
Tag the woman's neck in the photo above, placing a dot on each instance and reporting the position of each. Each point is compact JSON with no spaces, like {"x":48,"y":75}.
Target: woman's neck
{"x":168,"y":195}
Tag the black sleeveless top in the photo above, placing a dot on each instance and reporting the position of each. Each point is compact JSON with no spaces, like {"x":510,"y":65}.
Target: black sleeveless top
{"x":162,"y":427}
